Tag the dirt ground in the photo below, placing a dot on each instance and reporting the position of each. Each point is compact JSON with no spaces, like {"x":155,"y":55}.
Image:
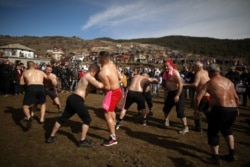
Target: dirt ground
{"x":138,"y":146}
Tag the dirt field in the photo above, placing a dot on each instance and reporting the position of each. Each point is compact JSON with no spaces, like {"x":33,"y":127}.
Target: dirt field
{"x":138,"y":146}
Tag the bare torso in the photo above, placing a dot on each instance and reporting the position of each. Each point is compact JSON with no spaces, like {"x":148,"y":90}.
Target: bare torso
{"x":202,"y":77}
{"x":86,"y":84}
{"x":51,"y":82}
{"x":109,"y":76}
{"x":173,"y":81}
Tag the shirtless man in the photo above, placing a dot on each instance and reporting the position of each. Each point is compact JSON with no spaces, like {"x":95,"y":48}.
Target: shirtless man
{"x":175,"y":94}
{"x":35,"y":93}
{"x":110,"y":77}
{"x":50,"y":87}
{"x":135,"y":94}
{"x":224,"y":103}
{"x":201,"y":77}
{"x":75,"y":105}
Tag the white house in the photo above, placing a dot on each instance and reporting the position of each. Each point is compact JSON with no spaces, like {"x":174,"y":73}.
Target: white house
{"x":19,"y":53}
{"x":17,"y":50}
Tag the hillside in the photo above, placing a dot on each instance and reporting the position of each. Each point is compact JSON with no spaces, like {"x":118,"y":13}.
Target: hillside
{"x":199,"y":45}
{"x":196,"y":45}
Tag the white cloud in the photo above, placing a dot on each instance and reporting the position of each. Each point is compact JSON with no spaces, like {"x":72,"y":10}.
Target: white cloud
{"x":214,"y":18}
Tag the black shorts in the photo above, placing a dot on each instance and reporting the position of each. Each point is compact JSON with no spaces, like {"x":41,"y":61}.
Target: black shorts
{"x":35,"y":94}
{"x":51,"y":93}
{"x":169,"y":103}
{"x":220,"y":119}
{"x":135,"y":97}
{"x":75,"y":105}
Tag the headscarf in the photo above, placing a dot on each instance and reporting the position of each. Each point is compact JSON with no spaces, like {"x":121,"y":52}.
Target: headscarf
{"x":171,"y":69}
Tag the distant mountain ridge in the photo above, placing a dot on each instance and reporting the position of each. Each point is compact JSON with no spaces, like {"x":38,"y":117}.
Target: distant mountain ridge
{"x":196,"y":45}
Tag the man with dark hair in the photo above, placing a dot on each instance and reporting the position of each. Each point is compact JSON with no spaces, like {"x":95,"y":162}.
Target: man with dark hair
{"x":110,"y":78}
{"x":75,"y":105}
{"x":50,"y":87}
{"x":224,"y":110}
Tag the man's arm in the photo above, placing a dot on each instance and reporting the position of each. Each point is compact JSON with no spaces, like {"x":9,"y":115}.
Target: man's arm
{"x":22,"y":82}
{"x":180,"y":84}
{"x":199,"y":95}
{"x":52,"y":77}
{"x":195,"y":83}
{"x":95,"y":83}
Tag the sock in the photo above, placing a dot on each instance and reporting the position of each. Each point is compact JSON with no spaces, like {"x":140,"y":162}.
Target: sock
{"x":113,"y":136}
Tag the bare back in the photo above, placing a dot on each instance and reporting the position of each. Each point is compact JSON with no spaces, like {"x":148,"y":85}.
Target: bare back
{"x":33,"y":77}
{"x":222,"y":92}
{"x":138,"y":83}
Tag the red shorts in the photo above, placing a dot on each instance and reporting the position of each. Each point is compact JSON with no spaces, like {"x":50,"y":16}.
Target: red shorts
{"x":112,"y":99}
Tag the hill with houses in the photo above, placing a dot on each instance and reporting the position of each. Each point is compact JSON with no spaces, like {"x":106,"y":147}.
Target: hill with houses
{"x":164,"y":46}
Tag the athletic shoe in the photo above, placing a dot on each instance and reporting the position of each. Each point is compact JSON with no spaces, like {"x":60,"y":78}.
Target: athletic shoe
{"x":28,"y":121}
{"x":144,"y":122}
{"x":84,"y":143}
{"x":109,"y":142}
{"x":51,"y":139}
{"x":166,"y":123}
{"x":184,"y":130}
{"x":117,"y":125}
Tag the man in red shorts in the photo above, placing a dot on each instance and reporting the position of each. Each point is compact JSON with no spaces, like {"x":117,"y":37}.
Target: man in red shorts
{"x":110,"y":78}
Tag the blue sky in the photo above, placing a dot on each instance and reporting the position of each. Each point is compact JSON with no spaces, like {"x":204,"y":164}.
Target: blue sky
{"x":126,"y":19}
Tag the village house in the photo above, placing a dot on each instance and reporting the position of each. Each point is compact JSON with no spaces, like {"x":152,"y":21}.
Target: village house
{"x":19,"y":53}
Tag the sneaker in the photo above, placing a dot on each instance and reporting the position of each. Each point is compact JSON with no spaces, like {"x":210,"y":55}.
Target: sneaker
{"x":84,"y":143}
{"x":51,"y":139}
{"x":184,"y":130}
{"x":28,"y":121}
{"x":41,"y":121}
{"x":109,"y":142}
{"x":212,"y":161}
{"x":198,"y":130}
{"x":166,"y":123}
{"x":117,"y":125}
{"x":144,"y":122}
{"x":231,"y":158}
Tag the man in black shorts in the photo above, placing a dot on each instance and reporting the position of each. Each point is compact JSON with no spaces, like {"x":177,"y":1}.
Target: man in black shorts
{"x":33,"y":80}
{"x":224,"y":103}
{"x":75,"y":105}
{"x":50,"y":88}
{"x":135,"y":94}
